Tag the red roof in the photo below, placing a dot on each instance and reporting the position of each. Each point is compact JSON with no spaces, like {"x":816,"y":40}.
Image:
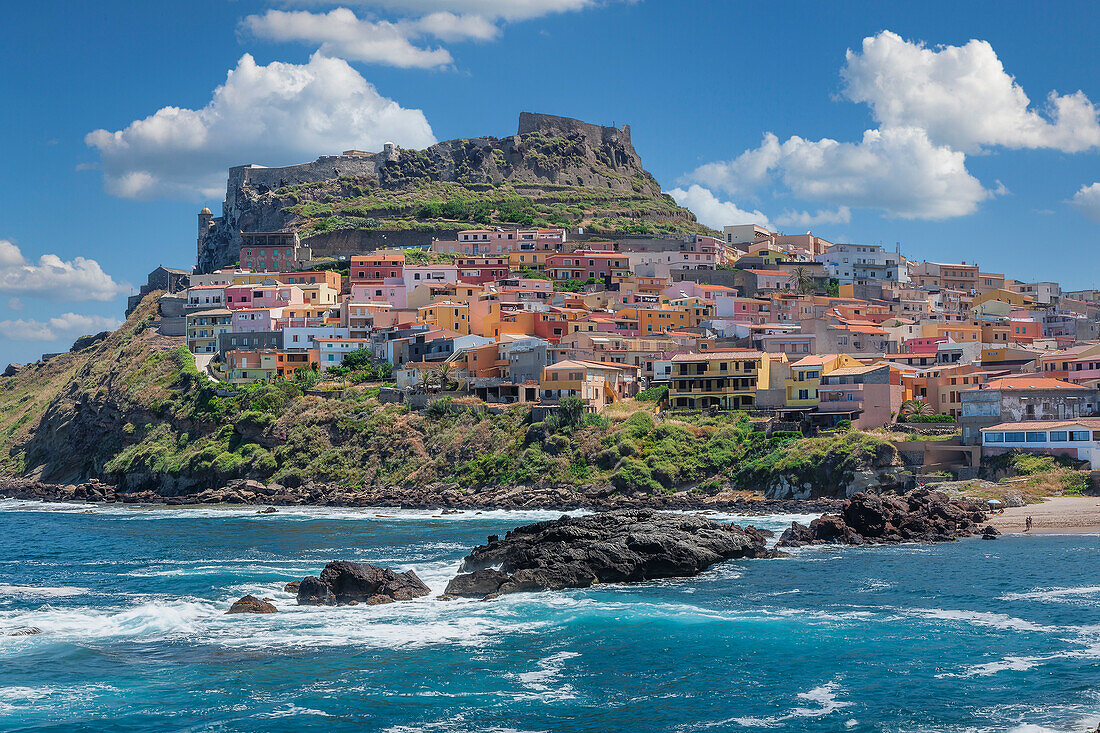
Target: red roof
{"x":1030,"y":383}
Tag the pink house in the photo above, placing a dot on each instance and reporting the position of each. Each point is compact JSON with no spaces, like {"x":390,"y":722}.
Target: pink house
{"x":276,"y":296}
{"x":419,"y":274}
{"x":502,"y":241}
{"x":742,"y":310}
{"x":238,"y":296}
{"x":253,"y":320}
{"x":393,"y":293}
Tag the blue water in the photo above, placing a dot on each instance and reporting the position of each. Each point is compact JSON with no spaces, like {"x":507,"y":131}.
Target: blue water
{"x":967,"y":636}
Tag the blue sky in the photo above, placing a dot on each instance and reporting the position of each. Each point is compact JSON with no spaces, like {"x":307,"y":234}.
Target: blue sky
{"x":967,"y":158}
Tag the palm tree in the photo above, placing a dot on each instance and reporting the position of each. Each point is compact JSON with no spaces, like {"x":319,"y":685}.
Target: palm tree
{"x":801,"y":280}
{"x":425,"y":382}
{"x":915,"y":408}
{"x":443,"y":376}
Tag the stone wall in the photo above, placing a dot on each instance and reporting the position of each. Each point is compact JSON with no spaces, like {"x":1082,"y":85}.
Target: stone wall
{"x":349,"y":242}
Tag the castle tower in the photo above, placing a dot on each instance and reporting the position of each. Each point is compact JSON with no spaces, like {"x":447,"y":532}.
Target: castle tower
{"x":389,"y":152}
{"x":206,"y":223}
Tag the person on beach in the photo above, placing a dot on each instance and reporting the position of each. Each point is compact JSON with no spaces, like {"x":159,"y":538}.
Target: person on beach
{"x":1027,"y":524}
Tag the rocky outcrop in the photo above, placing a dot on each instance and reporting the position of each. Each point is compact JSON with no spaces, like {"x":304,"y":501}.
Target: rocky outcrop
{"x":12,"y":369}
{"x":252,"y":604}
{"x":85,"y":341}
{"x":547,"y":151}
{"x":611,"y":547}
{"x":869,"y":519}
{"x":352,"y":582}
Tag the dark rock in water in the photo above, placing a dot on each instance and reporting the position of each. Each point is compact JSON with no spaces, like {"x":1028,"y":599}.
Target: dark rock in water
{"x":990,"y":532}
{"x":312,"y":591}
{"x":611,"y":547}
{"x":292,"y":586}
{"x":251,"y":604}
{"x":867,"y":519}
{"x":269,"y":510}
{"x":478,"y":583}
{"x":377,"y":600}
{"x":24,"y":631}
{"x":343,"y":582}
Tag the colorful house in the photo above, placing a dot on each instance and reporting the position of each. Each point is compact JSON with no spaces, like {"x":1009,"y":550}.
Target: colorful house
{"x":719,"y":379}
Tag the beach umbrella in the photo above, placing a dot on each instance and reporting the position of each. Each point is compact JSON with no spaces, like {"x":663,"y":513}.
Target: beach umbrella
{"x":993,"y":502}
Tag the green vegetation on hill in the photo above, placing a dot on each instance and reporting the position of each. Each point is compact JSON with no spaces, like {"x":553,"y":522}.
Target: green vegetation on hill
{"x":431,"y":205}
{"x":134,"y":409}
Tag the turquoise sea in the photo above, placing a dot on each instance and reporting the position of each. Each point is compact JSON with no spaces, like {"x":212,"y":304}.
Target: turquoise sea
{"x":966,"y":636}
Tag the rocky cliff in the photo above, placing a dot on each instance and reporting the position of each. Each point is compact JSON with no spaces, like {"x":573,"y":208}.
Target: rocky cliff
{"x":554,"y":171}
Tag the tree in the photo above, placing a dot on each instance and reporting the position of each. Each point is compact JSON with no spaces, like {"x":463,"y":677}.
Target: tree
{"x":443,"y":376}
{"x":426,"y":382}
{"x":571,"y":410}
{"x":916,"y":408}
{"x":358,"y":359}
{"x":802,"y":281}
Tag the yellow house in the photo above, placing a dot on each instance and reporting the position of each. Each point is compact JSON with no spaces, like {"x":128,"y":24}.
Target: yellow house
{"x":533,"y":261}
{"x":804,"y":383}
{"x":319,"y":294}
{"x":697,"y":309}
{"x":720,"y":379}
{"x":446,"y":314}
{"x":597,"y":383}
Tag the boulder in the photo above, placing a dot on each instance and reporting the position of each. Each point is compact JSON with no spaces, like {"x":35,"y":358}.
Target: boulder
{"x":292,"y":586}
{"x":312,"y":591}
{"x":251,"y":604}
{"x":619,"y":546}
{"x":344,"y":582}
{"x":919,"y":516}
{"x":990,"y":532}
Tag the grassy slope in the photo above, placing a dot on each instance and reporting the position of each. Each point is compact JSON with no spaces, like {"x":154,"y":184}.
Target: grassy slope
{"x":133,"y":408}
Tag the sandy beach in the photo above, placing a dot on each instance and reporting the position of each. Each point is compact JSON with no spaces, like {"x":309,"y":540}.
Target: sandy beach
{"x":1063,"y":514}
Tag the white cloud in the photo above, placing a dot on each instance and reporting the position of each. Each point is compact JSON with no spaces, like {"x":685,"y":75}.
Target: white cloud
{"x":744,"y":173}
{"x":276,"y":115}
{"x":497,"y":9}
{"x":963,"y":97}
{"x":713,"y":212}
{"x":339,"y":33}
{"x":1087,"y":201}
{"x":76,"y":279}
{"x":65,"y":326}
{"x":15,"y":304}
{"x":895,"y":170}
{"x":841,"y":215}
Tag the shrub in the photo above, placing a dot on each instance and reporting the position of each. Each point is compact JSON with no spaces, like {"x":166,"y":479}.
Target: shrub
{"x":653,"y":394}
{"x":634,"y":475}
{"x":925,"y":418}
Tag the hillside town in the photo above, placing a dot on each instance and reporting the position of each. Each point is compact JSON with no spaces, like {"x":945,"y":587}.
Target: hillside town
{"x":811,"y":333}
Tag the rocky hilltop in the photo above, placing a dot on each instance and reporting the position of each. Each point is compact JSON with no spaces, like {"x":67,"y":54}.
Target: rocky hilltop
{"x":554,"y":171}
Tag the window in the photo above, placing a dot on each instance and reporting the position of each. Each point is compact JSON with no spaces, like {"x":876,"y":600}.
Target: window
{"x":1058,"y":436}
{"x":1014,"y":437}
{"x":995,"y":437}
{"x":1035,"y":437}
{"x":1079,"y":436}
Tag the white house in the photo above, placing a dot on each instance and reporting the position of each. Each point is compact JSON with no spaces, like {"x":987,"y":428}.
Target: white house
{"x":1078,"y":438}
{"x":331,"y":351}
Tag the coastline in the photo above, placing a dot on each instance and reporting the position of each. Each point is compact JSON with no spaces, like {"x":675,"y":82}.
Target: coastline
{"x":1056,"y":515}
{"x":433,"y":497}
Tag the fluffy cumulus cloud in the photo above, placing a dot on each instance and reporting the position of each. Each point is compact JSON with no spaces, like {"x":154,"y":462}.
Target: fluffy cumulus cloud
{"x":274,"y":115}
{"x":1087,"y":201}
{"x":714,"y":212}
{"x":496,"y":9}
{"x":65,"y":326}
{"x":895,"y":170}
{"x":340,"y":33}
{"x":963,"y":97}
{"x":841,"y":215}
{"x":76,"y":279}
